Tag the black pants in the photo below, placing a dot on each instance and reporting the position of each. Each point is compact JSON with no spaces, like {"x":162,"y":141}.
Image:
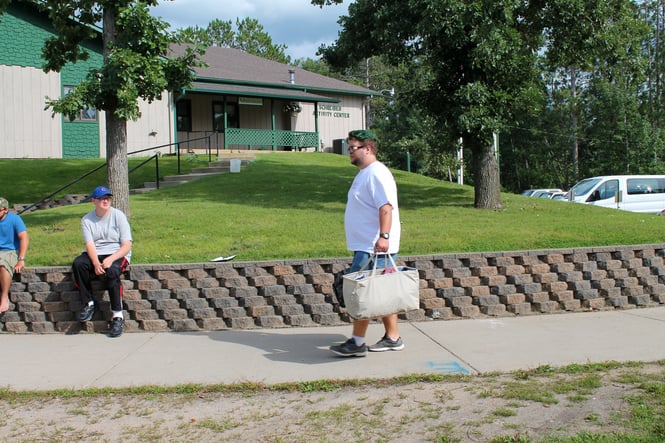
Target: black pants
{"x":84,"y":272}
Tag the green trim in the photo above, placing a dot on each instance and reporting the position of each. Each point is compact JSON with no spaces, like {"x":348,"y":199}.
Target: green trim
{"x":264,"y":95}
{"x":303,"y":88}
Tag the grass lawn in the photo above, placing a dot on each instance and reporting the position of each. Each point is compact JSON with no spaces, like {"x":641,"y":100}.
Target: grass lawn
{"x":291,"y":205}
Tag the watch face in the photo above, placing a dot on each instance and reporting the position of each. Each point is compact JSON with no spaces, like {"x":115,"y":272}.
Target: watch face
{"x":385,"y":235}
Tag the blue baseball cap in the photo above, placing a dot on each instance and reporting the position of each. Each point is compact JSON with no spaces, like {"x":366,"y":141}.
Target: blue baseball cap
{"x":100,"y":191}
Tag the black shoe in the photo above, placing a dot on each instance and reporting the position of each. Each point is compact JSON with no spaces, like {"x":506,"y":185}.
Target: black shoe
{"x":87,"y":312}
{"x":350,"y":349}
{"x":116,"y":327}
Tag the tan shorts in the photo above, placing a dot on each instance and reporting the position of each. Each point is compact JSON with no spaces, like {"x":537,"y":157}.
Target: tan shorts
{"x":8,"y":260}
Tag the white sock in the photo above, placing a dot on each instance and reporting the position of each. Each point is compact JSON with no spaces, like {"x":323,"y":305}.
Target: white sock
{"x":91,"y":302}
{"x":359,"y":340}
{"x":118,"y":314}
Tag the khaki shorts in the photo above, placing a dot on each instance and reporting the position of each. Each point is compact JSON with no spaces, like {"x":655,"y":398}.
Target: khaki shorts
{"x":8,"y":260}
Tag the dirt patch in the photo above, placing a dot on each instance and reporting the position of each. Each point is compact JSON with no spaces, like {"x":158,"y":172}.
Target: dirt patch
{"x":472,"y":409}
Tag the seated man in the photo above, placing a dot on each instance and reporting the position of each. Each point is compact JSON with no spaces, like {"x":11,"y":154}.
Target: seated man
{"x":108,"y":248}
{"x":13,"y":247}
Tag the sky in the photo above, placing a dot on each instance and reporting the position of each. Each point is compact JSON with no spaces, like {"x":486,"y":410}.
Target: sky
{"x":297,"y":24}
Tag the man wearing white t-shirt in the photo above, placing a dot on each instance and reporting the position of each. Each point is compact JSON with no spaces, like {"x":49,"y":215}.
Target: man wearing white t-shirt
{"x":371,"y":224}
{"x":108,"y":248}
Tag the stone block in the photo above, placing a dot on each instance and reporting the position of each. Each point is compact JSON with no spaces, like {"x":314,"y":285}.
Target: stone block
{"x":433,"y":303}
{"x":441,"y":283}
{"x":466,"y":282}
{"x":263,"y":311}
{"x":520,"y":308}
{"x":488,"y":300}
{"x":262,"y":280}
{"x":415,"y":315}
{"x":146,"y":314}
{"x":234,"y":282}
{"x":163,"y":305}
{"x":233,"y":312}
{"x":184,"y":324}
{"x":208,"y":282}
{"x":609,"y":292}
{"x":484,"y":271}
{"x":158,"y":294}
{"x":224,"y":302}
{"x":23,"y":306}
{"x":512,"y":299}
{"x":211,"y":324}
{"x":441,"y":313}
{"x":212,"y":293}
{"x":529,"y":288}
{"x":55,"y":306}
{"x":154,"y":325}
{"x":59,"y":316}
{"x":241,"y":323}
{"x":632,"y":291}
{"x":176,"y":283}
{"x":168,"y":275}
{"x":289,"y":310}
{"x":494,"y":280}
{"x":493,"y":310}
{"x":594,"y":303}
{"x":272,"y":291}
{"x":520,"y":279}
{"x":195,"y":303}
{"x":328,"y":319}
{"x":560,"y":268}
{"x":195,"y":274}
{"x":570,"y":305}
{"x":427,"y":293}
{"x":34,"y":317}
{"x":639,"y":300}
{"x":174,"y":314}
{"x":617,"y":302}
{"x":450,"y":292}
{"x":242,"y":292}
{"x":511,"y":270}
{"x":502,"y":290}
{"x":538,"y":297}
{"x":20,"y":297}
{"x":459,"y":273}
{"x":291,"y":280}
{"x":16,"y":327}
{"x":301,"y":320}
{"x":202,"y":313}
{"x":256,"y":300}
{"x":311,"y":299}
{"x":546,"y":278}
{"x":270,"y":321}
{"x":322,"y":308}
{"x":467,"y":311}
{"x":477,"y":291}
{"x":546,"y":306}
{"x":146,"y":285}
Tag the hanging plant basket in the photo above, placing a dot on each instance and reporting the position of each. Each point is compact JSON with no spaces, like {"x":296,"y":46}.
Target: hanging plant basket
{"x":292,"y":108}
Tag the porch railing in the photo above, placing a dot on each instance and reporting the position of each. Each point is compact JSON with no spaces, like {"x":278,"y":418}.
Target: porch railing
{"x":270,"y":139}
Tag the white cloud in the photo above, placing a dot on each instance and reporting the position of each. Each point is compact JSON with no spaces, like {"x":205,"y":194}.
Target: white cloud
{"x":295,"y":23}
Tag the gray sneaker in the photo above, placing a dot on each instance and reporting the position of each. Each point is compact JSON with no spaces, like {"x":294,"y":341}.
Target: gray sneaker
{"x":350,"y":349}
{"x":387,"y":344}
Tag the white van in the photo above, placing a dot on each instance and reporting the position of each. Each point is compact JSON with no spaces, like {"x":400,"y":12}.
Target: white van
{"x":636,"y":193}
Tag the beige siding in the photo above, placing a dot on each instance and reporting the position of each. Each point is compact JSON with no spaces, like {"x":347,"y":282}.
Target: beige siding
{"x":154,"y":127}
{"x":335,"y":119}
{"x":29,"y":131}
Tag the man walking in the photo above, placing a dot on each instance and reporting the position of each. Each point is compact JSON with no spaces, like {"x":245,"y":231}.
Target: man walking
{"x":371,"y":224}
{"x":108,"y":247}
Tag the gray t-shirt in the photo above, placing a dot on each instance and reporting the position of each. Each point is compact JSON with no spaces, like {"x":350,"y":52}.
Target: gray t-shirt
{"x":108,"y":232}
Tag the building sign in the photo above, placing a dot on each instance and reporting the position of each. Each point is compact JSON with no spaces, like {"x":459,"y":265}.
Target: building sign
{"x":334,"y":111}
{"x":250,"y":101}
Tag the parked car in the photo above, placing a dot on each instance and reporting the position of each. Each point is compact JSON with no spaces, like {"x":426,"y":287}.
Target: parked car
{"x":538,"y":192}
{"x":636,"y":193}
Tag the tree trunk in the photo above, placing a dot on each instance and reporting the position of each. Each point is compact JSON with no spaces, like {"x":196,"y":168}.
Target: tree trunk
{"x":117,"y":172}
{"x":486,"y":181}
{"x":116,"y":156}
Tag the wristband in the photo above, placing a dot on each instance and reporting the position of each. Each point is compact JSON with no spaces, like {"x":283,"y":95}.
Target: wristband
{"x":21,"y":259}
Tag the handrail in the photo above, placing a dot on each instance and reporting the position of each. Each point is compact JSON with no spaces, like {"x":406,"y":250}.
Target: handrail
{"x":155,"y":156}
{"x":62,"y":188}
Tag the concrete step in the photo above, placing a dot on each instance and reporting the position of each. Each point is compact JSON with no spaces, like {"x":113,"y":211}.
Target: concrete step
{"x":210,"y":169}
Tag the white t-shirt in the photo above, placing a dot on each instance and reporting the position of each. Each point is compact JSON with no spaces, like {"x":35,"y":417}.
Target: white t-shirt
{"x":108,"y":232}
{"x":373,"y":187}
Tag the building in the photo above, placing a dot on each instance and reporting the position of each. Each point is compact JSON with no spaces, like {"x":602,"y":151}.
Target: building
{"x":238,"y":101}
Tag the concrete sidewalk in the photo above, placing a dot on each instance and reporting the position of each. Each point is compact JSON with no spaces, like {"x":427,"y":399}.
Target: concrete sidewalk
{"x":54,"y":361}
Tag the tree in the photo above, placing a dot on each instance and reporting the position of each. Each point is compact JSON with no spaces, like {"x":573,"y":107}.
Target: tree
{"x":135,"y":50}
{"x":250,"y":38}
{"x":479,"y":56}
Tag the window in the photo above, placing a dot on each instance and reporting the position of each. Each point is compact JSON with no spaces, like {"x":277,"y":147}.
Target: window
{"x":218,"y":116}
{"x":86,"y":114}
{"x":646,"y":186}
{"x":184,"y":115}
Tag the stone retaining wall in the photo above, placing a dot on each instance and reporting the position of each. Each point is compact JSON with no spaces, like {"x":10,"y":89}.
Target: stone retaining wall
{"x":273,"y":294}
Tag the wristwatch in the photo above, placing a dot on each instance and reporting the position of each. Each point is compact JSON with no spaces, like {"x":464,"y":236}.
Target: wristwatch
{"x":384,"y":235}
{"x":21,"y":259}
